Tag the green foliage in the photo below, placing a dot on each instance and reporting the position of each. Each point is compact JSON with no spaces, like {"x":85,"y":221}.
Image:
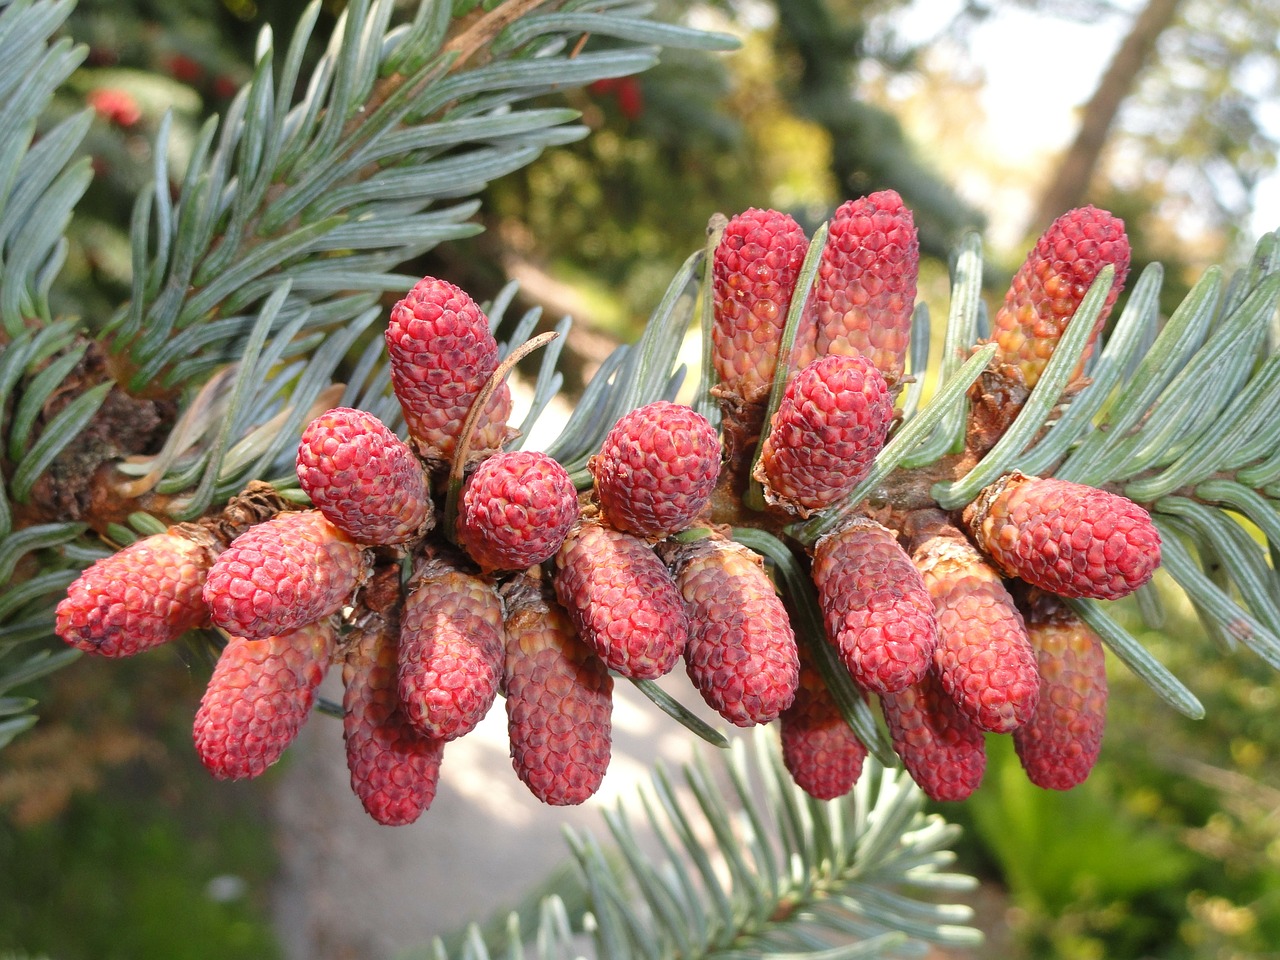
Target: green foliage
{"x":155,"y":864}
{"x":1079,"y":851}
{"x":126,"y":871}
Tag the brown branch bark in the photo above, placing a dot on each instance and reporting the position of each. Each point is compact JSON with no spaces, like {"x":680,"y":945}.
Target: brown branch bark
{"x":1067,"y":187}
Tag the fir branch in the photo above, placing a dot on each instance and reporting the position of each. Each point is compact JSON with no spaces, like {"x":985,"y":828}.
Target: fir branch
{"x":829,"y":879}
{"x":354,"y":172}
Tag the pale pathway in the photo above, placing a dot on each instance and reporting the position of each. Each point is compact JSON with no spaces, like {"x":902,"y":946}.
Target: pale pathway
{"x":353,"y":890}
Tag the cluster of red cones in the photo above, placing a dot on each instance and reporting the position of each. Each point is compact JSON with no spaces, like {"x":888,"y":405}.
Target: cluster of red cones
{"x":529,"y":589}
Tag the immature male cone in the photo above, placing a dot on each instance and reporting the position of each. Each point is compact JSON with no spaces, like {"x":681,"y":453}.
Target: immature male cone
{"x":1067,"y":538}
{"x":656,"y":469}
{"x":741,"y":653}
{"x":983,"y":658}
{"x":279,"y":575}
{"x":823,"y":439}
{"x":876,"y":608}
{"x":1060,"y":744}
{"x":442,"y":354}
{"x":865,"y":292}
{"x":1048,"y":288}
{"x":450,"y":650}
{"x":819,"y":748}
{"x":942,"y":750}
{"x":146,"y":594}
{"x":259,"y":696}
{"x":622,"y":600}
{"x":754,"y":271}
{"x":559,"y":698}
{"x":363,"y":478}
{"x":515,"y":510}
{"x":394,"y":768}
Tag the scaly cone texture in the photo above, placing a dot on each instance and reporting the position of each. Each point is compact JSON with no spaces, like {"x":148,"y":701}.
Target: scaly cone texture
{"x":876,"y":608}
{"x":941,"y":749}
{"x":656,"y":469}
{"x":146,"y":594}
{"x":754,"y":271}
{"x":258,"y":698}
{"x":363,"y":478}
{"x":741,"y":653}
{"x":394,"y":768}
{"x":865,"y":291}
{"x":516,"y":510}
{"x":559,"y":700}
{"x":450,"y":651}
{"x":622,"y":600}
{"x":442,"y":354}
{"x":819,"y":748}
{"x":833,"y":420}
{"x":279,"y":575}
{"x":983,"y":657}
{"x":1060,"y":744}
{"x":1067,"y":538}
{"x":1050,"y":284}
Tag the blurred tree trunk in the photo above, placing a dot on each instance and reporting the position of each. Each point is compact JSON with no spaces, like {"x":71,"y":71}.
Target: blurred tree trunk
{"x":1066,"y":188}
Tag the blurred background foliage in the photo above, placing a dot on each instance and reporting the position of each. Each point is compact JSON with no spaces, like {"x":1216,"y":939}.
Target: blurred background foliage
{"x":1172,"y":849}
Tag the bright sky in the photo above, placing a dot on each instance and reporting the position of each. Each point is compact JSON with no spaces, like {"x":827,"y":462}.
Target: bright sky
{"x":1044,"y":68}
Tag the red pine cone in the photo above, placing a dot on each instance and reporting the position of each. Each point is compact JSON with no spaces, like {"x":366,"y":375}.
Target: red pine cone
{"x":442,"y":354}
{"x":622,"y":600}
{"x":877,"y":611}
{"x":1067,"y":538}
{"x":1060,"y":744}
{"x":258,"y":698}
{"x":516,"y":510}
{"x":833,"y":420}
{"x":146,"y":594}
{"x":1050,"y":284}
{"x":741,"y":653}
{"x":983,"y":658}
{"x":363,"y":478}
{"x":865,"y":291}
{"x":656,"y":469}
{"x":450,"y":651}
{"x":294,"y":569}
{"x":941,"y":749}
{"x":754,"y":272}
{"x":559,"y":701}
{"x":394,"y":768}
{"x":819,"y":748}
